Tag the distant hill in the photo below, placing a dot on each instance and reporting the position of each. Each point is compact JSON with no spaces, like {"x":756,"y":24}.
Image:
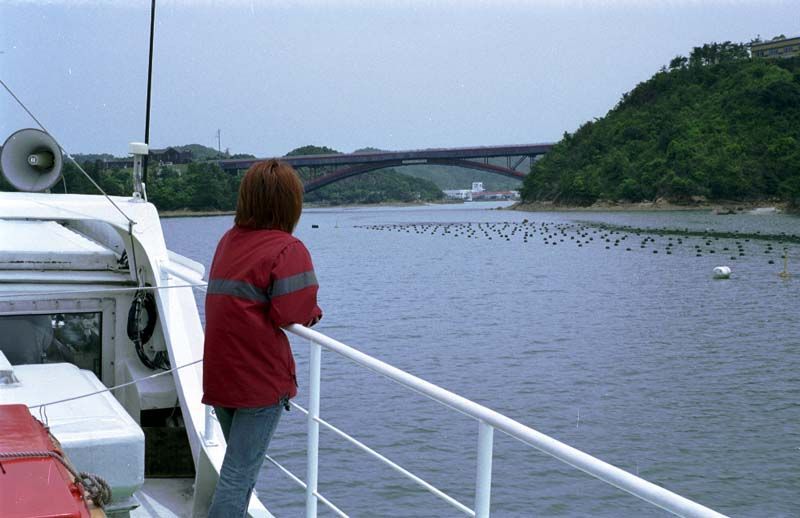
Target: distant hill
{"x":201,"y":152}
{"x":92,"y":157}
{"x":312,"y":150}
{"x":717,"y":125}
{"x":446,"y":177}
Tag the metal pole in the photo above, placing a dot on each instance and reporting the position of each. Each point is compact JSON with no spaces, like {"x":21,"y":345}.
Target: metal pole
{"x":315,"y":360}
{"x":209,"y":436}
{"x":483,"y":485}
{"x":149,"y":84}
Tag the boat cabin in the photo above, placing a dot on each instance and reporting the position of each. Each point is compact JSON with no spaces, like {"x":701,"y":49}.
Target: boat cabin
{"x":84,"y":307}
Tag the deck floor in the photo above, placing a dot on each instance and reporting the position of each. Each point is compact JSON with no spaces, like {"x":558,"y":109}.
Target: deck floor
{"x":165,"y":498}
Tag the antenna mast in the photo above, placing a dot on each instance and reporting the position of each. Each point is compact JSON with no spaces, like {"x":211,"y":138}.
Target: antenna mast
{"x":149,"y":83}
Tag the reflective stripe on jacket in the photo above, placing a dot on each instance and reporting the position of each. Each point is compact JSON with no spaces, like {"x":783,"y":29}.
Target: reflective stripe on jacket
{"x":260,"y":281}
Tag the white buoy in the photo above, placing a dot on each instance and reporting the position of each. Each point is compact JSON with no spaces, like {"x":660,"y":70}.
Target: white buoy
{"x":722,"y":272}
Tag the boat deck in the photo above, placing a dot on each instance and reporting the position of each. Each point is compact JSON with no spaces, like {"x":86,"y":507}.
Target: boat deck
{"x":165,"y":498}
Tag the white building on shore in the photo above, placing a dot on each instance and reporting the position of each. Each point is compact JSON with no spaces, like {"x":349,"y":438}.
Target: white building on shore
{"x":458,"y":194}
{"x":478,"y":193}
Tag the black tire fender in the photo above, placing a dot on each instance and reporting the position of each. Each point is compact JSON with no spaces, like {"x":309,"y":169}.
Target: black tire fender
{"x":146,"y":303}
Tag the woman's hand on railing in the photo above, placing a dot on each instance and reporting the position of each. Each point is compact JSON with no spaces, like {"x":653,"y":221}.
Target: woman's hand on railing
{"x":313,"y":321}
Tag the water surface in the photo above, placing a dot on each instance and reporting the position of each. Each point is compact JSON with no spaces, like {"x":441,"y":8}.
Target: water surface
{"x":638,"y":358}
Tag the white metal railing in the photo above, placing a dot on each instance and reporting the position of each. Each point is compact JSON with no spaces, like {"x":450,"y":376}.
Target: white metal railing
{"x":488,"y":420}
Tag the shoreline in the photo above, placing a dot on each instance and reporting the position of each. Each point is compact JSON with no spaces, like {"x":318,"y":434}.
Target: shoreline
{"x":193,"y":213}
{"x":185,"y":213}
{"x":721,"y":207}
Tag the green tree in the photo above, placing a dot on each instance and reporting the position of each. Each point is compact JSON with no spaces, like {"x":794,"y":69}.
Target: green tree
{"x":716,"y":124}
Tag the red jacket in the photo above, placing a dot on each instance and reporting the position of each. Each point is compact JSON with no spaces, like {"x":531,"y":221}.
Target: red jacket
{"x":260,"y":281}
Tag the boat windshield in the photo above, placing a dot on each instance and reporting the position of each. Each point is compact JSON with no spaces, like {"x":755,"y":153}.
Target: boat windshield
{"x":53,"y":338}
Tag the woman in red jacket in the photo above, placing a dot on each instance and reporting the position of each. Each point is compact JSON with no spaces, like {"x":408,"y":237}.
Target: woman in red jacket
{"x":261,"y":280}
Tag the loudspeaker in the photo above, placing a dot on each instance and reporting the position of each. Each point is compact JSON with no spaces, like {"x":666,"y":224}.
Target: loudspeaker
{"x":31,"y":160}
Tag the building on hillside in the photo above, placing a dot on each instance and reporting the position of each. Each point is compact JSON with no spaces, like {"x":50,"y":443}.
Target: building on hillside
{"x":783,"y":48}
{"x":477,"y":187}
{"x":166,"y":156}
{"x":115,"y":163}
{"x":170,"y":155}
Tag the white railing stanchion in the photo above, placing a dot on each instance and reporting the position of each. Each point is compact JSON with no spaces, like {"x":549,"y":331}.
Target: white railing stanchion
{"x":312,"y":463}
{"x":209,"y":435}
{"x":483,"y":485}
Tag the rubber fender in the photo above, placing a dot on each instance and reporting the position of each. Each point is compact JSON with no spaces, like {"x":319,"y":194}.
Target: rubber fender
{"x":146,"y":303}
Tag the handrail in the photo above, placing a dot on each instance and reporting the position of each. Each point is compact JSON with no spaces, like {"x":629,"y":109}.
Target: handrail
{"x":489,"y":420}
{"x":363,"y":447}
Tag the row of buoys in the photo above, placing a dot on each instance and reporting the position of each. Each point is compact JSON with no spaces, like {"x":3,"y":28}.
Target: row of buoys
{"x":555,"y":234}
{"x":708,"y":234}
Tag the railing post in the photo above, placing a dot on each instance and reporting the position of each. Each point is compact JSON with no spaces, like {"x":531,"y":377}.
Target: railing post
{"x":315,"y":360}
{"x":483,"y":485}
{"x":209,"y":435}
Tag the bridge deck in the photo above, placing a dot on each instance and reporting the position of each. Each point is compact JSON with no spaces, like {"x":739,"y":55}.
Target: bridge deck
{"x":412,"y":156}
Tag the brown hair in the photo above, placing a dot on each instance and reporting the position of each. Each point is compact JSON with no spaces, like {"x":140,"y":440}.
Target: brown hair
{"x":270,"y":196}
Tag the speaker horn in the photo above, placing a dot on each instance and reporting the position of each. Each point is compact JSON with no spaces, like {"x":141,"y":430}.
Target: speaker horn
{"x":31,"y":160}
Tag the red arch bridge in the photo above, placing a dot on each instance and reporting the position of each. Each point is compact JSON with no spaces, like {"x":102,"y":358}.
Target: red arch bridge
{"x":512,"y":161}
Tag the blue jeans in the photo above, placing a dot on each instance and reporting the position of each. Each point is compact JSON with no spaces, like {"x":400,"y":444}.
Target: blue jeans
{"x":248,"y":432}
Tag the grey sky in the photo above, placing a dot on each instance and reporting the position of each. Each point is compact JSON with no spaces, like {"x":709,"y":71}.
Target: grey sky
{"x":395,"y":75}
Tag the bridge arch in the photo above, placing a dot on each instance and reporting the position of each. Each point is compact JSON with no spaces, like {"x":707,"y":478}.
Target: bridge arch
{"x":353,"y":164}
{"x":355,"y":170}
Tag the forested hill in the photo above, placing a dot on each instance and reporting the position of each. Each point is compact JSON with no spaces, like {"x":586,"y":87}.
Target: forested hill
{"x":449,"y":177}
{"x":203,"y":186}
{"x":716,"y":124}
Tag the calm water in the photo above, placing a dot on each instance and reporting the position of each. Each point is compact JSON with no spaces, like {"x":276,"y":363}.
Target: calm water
{"x":639,"y":358}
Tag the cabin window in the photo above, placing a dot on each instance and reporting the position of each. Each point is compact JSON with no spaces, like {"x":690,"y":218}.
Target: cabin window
{"x":74,"y":337}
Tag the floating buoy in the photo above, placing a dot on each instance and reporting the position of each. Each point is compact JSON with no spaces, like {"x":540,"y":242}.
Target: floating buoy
{"x":722,"y":272}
